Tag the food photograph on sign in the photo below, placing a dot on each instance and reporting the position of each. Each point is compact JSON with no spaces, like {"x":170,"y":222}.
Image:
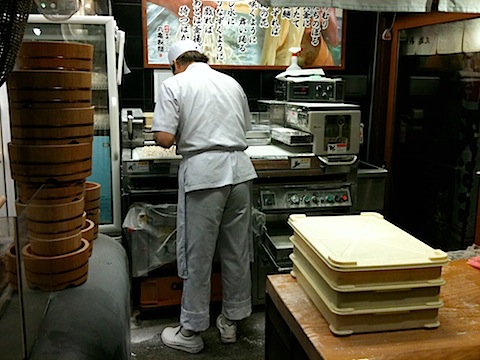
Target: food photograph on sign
{"x":245,"y":33}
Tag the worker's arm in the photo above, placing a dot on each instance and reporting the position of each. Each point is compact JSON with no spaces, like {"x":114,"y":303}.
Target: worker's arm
{"x":164,"y":139}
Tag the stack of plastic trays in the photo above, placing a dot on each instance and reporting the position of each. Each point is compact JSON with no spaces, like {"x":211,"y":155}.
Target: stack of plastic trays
{"x":364,"y":274}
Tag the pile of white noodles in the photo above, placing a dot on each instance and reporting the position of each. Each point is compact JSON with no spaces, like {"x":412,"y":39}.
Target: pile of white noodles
{"x":156,"y":152}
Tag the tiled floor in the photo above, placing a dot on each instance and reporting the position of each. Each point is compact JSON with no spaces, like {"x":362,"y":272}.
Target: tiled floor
{"x":147,"y":345}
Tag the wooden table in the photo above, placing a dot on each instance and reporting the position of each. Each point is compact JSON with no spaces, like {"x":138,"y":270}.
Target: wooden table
{"x":295,"y":329}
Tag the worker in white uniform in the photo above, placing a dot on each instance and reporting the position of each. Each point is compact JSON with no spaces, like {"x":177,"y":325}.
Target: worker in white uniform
{"x":206,"y":114}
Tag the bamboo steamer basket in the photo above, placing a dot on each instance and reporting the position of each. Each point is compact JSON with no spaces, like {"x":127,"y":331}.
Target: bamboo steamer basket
{"x":92,"y":205}
{"x":45,"y":194}
{"x":92,"y":196}
{"x":50,"y":105}
{"x":27,"y":117}
{"x":55,"y":50}
{"x":55,"y":264}
{"x":59,"y":141}
{"x":92,"y":191}
{"x":88,"y":232}
{"x":55,"y":229}
{"x":55,"y":64}
{"x":61,"y":163}
{"x":94,"y":215}
{"x":12,"y":276}
{"x":52,"y":135}
{"x":49,"y":80}
{"x":40,"y":173}
{"x":56,"y":246}
{"x":46,"y":96}
{"x":55,"y":212}
{"x":59,"y":281}
{"x":50,"y":154}
{"x":47,"y":88}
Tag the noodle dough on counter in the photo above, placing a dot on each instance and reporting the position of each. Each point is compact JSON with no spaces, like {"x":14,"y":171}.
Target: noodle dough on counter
{"x":155,"y":151}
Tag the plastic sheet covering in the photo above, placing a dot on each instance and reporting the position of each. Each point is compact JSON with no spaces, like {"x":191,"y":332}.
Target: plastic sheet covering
{"x":151,"y":235}
{"x":471,"y":251}
{"x":259,"y":220}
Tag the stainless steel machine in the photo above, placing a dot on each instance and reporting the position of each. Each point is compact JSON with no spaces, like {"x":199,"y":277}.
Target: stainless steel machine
{"x":309,"y":85}
{"x":133,"y":122}
{"x":310,"y":167}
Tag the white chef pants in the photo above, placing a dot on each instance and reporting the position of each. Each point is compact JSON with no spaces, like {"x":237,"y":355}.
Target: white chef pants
{"x":217,"y":219}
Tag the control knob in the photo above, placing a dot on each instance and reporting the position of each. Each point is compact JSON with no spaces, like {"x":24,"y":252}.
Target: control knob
{"x":294,"y":199}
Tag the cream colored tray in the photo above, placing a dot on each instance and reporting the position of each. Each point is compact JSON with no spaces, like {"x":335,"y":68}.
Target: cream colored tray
{"x":384,"y":319}
{"x":345,"y":301}
{"x":366,"y":250}
{"x":365,"y":241}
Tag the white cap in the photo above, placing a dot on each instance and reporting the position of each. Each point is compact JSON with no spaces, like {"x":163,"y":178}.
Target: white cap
{"x":181,"y":47}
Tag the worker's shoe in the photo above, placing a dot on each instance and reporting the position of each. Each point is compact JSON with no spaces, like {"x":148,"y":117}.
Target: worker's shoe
{"x":228,"y":330}
{"x":173,"y":337}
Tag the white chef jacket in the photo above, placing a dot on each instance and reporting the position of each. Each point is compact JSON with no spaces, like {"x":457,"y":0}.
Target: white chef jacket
{"x":210,"y":135}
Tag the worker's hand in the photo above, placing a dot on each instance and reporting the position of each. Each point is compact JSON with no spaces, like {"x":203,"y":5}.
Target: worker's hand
{"x":174,"y":5}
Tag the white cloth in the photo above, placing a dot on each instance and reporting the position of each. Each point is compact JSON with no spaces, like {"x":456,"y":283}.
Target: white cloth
{"x":462,"y":6}
{"x":450,"y":37}
{"x":427,"y":40}
{"x":421,"y":41}
{"x":471,"y":36}
{"x":384,"y":5}
{"x":361,"y":5}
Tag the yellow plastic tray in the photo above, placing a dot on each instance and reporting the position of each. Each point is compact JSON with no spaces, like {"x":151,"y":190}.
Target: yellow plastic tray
{"x":365,"y":250}
{"x":345,"y":302}
{"x":364,"y":321}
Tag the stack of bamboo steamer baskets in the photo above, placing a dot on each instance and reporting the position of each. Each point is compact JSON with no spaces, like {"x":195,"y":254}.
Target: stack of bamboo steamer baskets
{"x":51,"y":157}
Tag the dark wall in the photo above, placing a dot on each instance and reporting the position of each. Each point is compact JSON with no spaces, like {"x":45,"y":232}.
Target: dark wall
{"x":137,"y":88}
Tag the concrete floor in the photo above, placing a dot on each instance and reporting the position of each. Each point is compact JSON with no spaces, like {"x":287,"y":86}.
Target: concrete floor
{"x":146,"y":343}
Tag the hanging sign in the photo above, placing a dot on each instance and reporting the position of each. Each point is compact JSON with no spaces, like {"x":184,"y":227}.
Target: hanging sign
{"x":245,"y":33}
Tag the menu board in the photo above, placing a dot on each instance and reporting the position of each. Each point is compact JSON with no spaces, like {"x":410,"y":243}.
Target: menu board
{"x":245,"y":33}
